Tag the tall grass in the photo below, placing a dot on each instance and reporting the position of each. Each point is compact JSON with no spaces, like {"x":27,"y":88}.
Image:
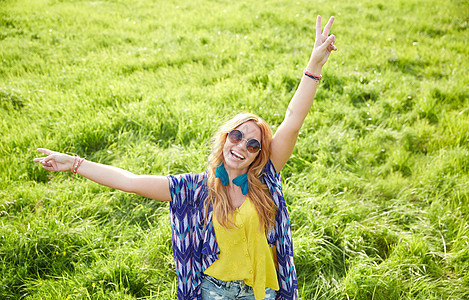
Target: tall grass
{"x":377,"y":187}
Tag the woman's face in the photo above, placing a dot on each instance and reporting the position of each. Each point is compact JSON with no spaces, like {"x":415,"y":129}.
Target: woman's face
{"x":237,"y":157}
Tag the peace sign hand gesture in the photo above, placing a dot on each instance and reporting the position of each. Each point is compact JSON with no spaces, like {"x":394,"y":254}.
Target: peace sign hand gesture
{"x":55,"y":161}
{"x":323,"y":46}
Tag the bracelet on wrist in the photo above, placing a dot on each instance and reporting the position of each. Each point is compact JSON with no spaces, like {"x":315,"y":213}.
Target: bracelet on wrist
{"x":76,"y":164}
{"x":314,"y":77}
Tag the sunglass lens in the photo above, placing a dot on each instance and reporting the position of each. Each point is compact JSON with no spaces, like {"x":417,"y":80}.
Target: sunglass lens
{"x":253,"y":145}
{"x":235,"y":136}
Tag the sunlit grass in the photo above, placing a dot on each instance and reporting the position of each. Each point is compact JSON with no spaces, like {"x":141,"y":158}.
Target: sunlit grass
{"x":377,"y":187}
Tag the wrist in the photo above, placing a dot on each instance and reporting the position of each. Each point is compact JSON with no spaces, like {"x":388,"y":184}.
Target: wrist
{"x":314,"y":69}
{"x":313,"y":77}
{"x":73,"y":162}
{"x":76,"y":164}
{"x":70,"y":161}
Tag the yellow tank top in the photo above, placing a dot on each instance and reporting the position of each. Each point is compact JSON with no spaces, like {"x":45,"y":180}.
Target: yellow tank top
{"x":244,"y":252}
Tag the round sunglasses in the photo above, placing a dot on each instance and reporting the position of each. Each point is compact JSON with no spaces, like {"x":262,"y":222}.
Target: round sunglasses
{"x":252,"y":145}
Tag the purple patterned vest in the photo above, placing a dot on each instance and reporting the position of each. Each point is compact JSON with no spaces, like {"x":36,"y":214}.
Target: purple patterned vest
{"x":195,"y":246}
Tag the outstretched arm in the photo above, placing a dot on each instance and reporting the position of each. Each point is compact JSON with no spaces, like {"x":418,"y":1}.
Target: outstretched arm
{"x":154,"y":187}
{"x":285,"y":137}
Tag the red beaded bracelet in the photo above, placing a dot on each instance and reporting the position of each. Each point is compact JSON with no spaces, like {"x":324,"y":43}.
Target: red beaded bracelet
{"x":76,"y":164}
{"x":80,"y":160}
{"x":314,"y":77}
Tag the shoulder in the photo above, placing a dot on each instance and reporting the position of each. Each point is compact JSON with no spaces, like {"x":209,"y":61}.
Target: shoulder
{"x":270,"y":174}
{"x":187,"y":180}
{"x":187,"y":188}
{"x":270,"y":168}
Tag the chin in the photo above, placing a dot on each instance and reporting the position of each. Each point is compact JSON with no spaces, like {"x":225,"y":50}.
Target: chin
{"x":235,"y":164}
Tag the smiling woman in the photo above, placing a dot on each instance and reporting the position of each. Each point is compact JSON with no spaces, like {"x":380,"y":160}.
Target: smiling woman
{"x":240,"y":155}
{"x":230,"y":225}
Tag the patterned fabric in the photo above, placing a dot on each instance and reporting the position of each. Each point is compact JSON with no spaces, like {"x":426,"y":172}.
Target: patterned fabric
{"x":195,"y":247}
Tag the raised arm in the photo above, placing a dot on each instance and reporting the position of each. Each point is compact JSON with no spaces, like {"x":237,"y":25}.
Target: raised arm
{"x":285,"y":137}
{"x":154,"y":187}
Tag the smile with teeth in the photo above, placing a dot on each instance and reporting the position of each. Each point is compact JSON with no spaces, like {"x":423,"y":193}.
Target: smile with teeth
{"x":237,"y":155}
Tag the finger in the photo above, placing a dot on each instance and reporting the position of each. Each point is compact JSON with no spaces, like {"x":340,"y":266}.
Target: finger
{"x":40,"y":160}
{"x":327,"y":29}
{"x":48,"y":168}
{"x":45,"y":163}
{"x":49,"y":159}
{"x":318,"y":27}
{"x":329,"y":42}
{"x":45,"y":151}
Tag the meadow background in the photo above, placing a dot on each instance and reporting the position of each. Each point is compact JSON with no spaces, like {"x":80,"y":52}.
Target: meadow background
{"x":377,"y":187}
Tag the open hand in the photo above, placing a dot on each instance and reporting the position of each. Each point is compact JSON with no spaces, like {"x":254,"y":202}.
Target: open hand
{"x":323,"y":45}
{"x":55,"y":161}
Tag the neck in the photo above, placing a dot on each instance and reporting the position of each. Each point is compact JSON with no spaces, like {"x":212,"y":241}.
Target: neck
{"x":232,"y":174}
{"x":236,"y":176}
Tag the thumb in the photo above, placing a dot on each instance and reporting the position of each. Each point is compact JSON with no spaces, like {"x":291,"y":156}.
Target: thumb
{"x":329,"y":41}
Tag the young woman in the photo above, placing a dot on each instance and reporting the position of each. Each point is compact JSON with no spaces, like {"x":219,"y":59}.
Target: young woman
{"x":230,"y":225}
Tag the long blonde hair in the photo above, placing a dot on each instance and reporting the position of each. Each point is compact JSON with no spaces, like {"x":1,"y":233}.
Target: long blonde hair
{"x":258,"y":193}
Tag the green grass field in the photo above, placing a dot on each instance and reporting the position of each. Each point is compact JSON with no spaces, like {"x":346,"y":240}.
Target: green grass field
{"x":377,"y":187}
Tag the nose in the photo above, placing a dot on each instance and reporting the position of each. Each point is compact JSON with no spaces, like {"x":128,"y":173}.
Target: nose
{"x":243,"y":140}
{"x":242,"y":144}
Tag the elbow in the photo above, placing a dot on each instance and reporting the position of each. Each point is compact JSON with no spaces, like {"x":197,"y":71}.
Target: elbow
{"x":293,"y":128}
{"x":295,"y":131}
{"x":128,"y":184}
{"x":293,"y":125}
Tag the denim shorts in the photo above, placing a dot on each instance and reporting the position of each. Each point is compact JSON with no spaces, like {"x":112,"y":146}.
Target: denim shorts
{"x":216,"y":289}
